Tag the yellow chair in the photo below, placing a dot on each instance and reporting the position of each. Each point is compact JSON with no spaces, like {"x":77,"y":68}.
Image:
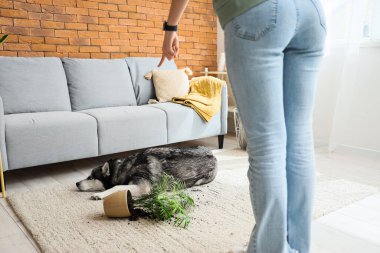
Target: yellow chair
{"x":2,"y":178}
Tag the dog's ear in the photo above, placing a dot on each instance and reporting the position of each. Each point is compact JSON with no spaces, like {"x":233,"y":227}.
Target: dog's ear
{"x":106,"y":169}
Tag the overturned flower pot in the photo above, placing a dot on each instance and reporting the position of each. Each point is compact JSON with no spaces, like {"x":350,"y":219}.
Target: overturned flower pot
{"x":118,"y":205}
{"x":166,"y":201}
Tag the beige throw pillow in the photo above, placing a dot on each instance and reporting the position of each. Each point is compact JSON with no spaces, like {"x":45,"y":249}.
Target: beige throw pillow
{"x":170,"y":83}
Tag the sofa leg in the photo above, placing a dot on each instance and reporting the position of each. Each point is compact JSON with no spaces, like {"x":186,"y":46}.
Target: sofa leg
{"x":2,"y":183}
{"x":220,"y":141}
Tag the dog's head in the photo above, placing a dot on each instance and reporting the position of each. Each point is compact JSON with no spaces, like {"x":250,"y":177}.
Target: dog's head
{"x":97,"y":180}
{"x":113,"y":172}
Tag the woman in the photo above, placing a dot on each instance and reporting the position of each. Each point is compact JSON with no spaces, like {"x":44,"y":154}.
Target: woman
{"x":273,"y":51}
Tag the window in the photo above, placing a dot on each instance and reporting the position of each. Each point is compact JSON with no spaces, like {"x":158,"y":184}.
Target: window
{"x":353,"y":21}
{"x":371,"y":26}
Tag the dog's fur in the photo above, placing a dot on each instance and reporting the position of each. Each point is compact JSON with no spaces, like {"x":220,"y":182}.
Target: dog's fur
{"x":137,"y":173}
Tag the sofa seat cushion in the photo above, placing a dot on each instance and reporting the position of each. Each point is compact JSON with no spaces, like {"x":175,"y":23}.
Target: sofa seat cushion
{"x":33,"y":85}
{"x":138,"y":67}
{"x":129,"y":127}
{"x":49,"y":137}
{"x":185,"y":124}
{"x":95,"y":83}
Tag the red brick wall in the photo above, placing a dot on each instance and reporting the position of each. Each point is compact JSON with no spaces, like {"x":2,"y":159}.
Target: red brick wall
{"x":106,"y":29}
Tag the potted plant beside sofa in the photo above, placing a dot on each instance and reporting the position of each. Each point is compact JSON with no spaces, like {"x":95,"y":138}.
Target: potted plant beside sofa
{"x":3,"y":38}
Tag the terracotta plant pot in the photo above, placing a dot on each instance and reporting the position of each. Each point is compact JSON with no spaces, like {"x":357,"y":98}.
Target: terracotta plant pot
{"x":118,"y":205}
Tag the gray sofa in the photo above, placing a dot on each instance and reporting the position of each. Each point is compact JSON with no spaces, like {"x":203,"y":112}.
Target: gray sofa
{"x":54,"y":110}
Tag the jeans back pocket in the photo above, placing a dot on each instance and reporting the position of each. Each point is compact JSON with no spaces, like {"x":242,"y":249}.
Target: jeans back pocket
{"x":257,"y":21}
{"x":321,"y":13}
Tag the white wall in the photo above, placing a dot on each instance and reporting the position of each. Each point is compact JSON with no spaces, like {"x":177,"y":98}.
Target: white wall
{"x":220,"y":44}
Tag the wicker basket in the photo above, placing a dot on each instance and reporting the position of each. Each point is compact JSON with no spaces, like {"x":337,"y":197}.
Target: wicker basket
{"x":239,"y":130}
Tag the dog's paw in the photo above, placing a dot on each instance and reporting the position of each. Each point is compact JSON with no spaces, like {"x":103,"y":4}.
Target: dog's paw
{"x":96,"y":196}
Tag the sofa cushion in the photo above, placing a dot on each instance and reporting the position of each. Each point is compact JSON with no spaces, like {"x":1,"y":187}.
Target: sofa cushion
{"x":138,"y":67}
{"x":33,"y":85}
{"x":129,"y":127}
{"x":185,"y":124}
{"x":95,"y":83}
{"x":49,"y":137}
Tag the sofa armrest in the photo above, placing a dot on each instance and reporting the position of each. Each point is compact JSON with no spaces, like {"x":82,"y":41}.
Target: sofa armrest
{"x":224,"y":109}
{"x":3,"y":147}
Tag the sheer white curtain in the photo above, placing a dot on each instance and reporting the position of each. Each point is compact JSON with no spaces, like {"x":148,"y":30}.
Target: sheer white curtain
{"x":346,"y":18}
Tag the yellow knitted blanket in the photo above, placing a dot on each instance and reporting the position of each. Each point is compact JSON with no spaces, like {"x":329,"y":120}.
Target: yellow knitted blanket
{"x":204,"y":96}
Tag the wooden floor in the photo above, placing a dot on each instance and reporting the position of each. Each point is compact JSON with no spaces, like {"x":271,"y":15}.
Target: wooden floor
{"x":355,"y":228}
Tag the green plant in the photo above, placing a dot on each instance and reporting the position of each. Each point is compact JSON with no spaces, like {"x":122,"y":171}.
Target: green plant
{"x":167,"y":199}
{"x":3,"y":38}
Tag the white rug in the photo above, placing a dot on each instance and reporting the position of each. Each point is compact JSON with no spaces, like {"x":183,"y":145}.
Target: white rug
{"x":330,"y":194}
{"x":61,"y":219}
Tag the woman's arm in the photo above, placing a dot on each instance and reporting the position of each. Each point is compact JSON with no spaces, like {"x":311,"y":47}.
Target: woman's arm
{"x":170,"y":47}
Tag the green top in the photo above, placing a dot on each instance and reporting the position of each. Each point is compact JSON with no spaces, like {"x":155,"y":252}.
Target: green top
{"x":226,"y":10}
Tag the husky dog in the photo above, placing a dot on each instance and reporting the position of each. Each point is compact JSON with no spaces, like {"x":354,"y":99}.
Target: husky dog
{"x":137,"y":173}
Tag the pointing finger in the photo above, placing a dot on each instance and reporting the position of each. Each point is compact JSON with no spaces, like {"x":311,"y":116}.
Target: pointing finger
{"x":161,"y":61}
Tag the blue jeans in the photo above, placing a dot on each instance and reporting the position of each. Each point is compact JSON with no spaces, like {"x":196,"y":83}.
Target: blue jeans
{"x":273,"y":52}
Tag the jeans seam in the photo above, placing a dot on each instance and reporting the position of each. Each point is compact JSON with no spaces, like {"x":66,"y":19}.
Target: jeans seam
{"x":297,"y":18}
{"x":255,"y":213}
{"x":254,"y":237}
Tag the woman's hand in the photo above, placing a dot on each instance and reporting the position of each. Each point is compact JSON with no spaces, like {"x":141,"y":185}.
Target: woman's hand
{"x":170,"y":47}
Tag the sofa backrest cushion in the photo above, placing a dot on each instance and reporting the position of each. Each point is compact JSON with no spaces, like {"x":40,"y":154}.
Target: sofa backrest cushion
{"x":138,"y":67}
{"x":95,"y":83}
{"x":33,"y":85}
